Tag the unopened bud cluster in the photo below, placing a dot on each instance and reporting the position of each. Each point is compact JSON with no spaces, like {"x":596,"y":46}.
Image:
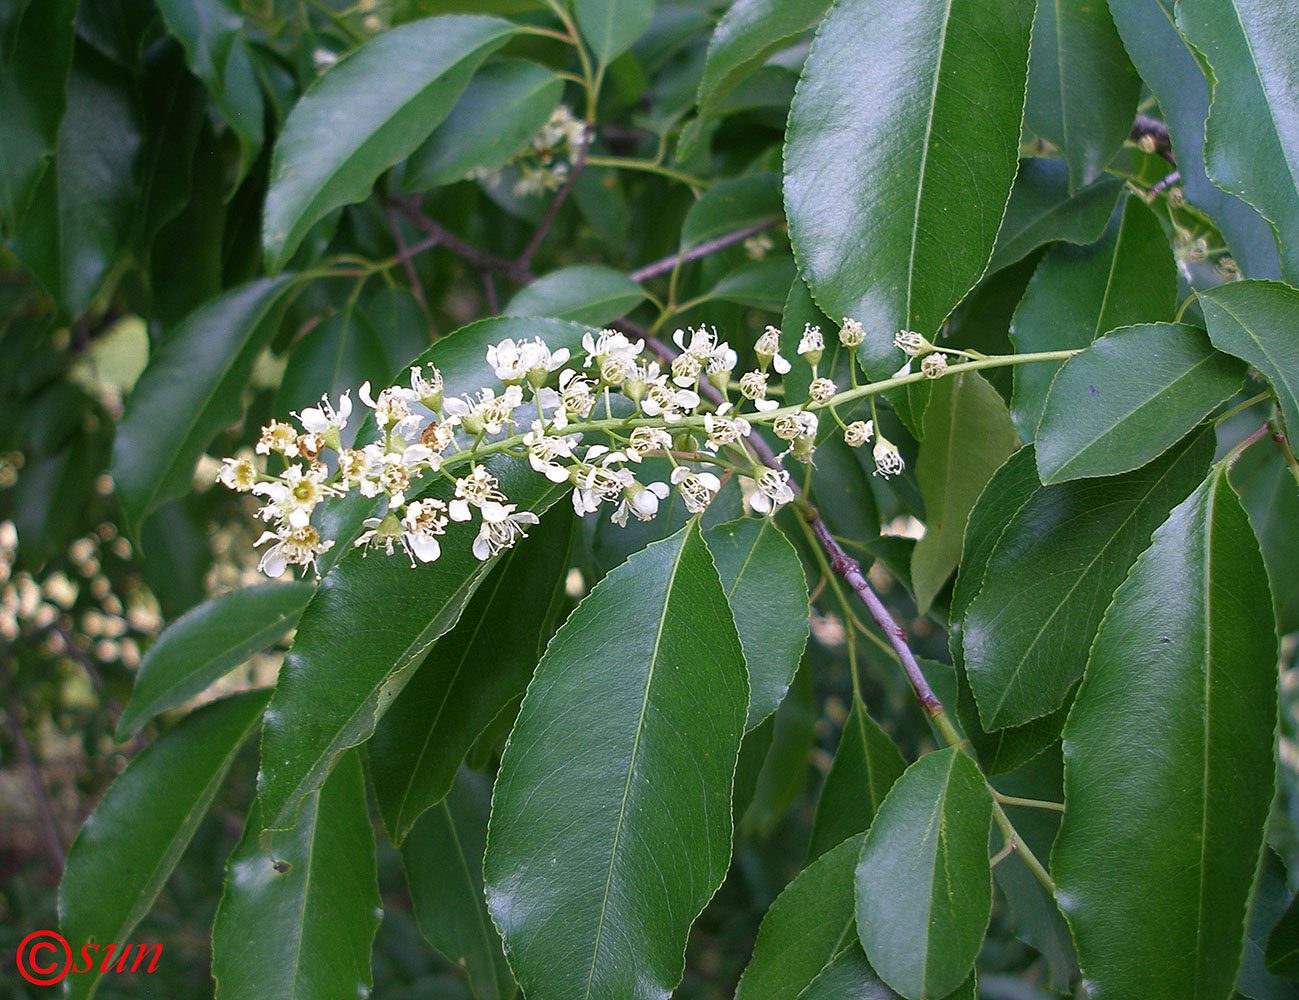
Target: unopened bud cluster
{"x":547,"y":414}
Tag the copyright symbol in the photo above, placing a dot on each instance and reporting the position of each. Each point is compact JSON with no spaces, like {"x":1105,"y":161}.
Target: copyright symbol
{"x":32,"y":967}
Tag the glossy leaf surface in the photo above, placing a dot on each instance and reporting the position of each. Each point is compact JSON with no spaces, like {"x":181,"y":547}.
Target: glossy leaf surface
{"x":207,"y":642}
{"x":582,"y":293}
{"x":924,"y":888}
{"x":643,"y":814}
{"x":1123,"y":401}
{"x":1180,"y":795}
{"x":897,"y":169}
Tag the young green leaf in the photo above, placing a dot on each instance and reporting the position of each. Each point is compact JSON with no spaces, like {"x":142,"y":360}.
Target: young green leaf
{"x":611,"y":821}
{"x":764,"y":584}
{"x":1166,"y":807}
{"x":1255,"y":321}
{"x":1250,"y":147}
{"x":469,"y":676}
{"x":897,"y":170}
{"x":1024,"y":647}
{"x":1078,"y":293}
{"x":499,"y":112}
{"x":1126,"y":399}
{"x":443,"y":858}
{"x":1173,"y":74}
{"x":366,"y":113}
{"x":209,"y":641}
{"x":1042,"y":209}
{"x":866,"y":765}
{"x":968,"y":435}
{"x":130,"y":844}
{"x":300,"y":911}
{"x":192,"y":388}
{"x":808,"y":924}
{"x":924,"y":886}
{"x":610,"y":26}
{"x":1082,"y":89}
{"x":583,"y":293}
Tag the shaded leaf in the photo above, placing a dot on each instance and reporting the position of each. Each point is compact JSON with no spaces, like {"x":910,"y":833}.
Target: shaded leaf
{"x":1267,"y":491}
{"x":644,"y":815}
{"x":762,"y":284}
{"x":848,"y":974}
{"x":583,"y":293}
{"x":733,"y":205}
{"x":610,"y":26}
{"x":1180,"y":795}
{"x":1042,"y":210}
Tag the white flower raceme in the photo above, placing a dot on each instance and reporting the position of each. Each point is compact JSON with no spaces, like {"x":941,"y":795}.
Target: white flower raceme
{"x":500,"y":533}
{"x":888,"y":461}
{"x":543,"y":449}
{"x":851,"y":333}
{"x":697,"y":489}
{"x":859,"y":432}
{"x":767,"y":348}
{"x":771,"y":489}
{"x":643,"y":501}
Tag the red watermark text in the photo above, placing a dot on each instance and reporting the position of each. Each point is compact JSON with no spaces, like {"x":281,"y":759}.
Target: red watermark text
{"x":44,"y":958}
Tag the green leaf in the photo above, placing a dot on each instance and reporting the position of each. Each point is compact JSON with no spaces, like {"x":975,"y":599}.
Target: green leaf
{"x":371,"y":620}
{"x":810,"y":922}
{"x":208,"y":642}
{"x":1179,"y":794}
{"x":1042,"y":209}
{"x":848,"y":974}
{"x":623,"y":752}
{"x":82,"y":214}
{"x":898,"y":101}
{"x":300,"y":909}
{"x":1250,"y":147}
{"x":192,"y":389}
{"x":762,"y":284}
{"x":366,"y":113}
{"x":764,"y":584}
{"x":1267,"y":491}
{"x":212,"y":33}
{"x":469,"y":676}
{"x":1025,"y":646}
{"x":443,"y":858}
{"x":1282,"y":954}
{"x":583,"y":293}
{"x":968,"y":435}
{"x":924,"y":886}
{"x":747,"y":34}
{"x":1082,"y":89}
{"x":1078,"y":293}
{"x":1173,"y":75}
{"x":785,"y":766}
{"x":1267,"y":908}
{"x":338,"y":355}
{"x":733,"y":205}
{"x":866,"y":765}
{"x":33,"y":83}
{"x":499,"y":112}
{"x":610,"y":26}
{"x":1129,"y":396}
{"x":129,"y":845}
{"x":1255,"y":321}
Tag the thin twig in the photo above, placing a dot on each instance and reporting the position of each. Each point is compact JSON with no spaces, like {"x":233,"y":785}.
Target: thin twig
{"x":524,"y":260}
{"x":703,"y":250}
{"x":404,"y":255}
{"x":489,"y":293}
{"x":1166,"y":181}
{"x":476,"y":256}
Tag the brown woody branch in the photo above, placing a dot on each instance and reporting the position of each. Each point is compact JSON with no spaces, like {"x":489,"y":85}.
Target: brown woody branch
{"x":703,"y":250}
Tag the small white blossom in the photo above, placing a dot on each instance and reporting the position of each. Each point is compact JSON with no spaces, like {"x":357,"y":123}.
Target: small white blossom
{"x":293,"y":546}
{"x":661,"y":399}
{"x":278,"y":437}
{"x":757,"y":247}
{"x":912,"y":344}
{"x":514,"y":361}
{"x":293,"y":499}
{"x":643,"y":501}
{"x":238,"y":474}
{"x":391,"y":407}
{"x":327,"y":421}
{"x":771,"y":489}
{"x":821,"y":390}
{"x":934,"y":365}
{"x":851,"y":333}
{"x":753,"y":386}
{"x":647,"y":439}
{"x":544,"y":449}
{"x":478,"y":489}
{"x":767,"y":348}
{"x":795,"y":425}
{"x":723,"y":430}
{"x":599,"y":482}
{"x":888,"y":461}
{"x":697,"y":489}
{"x":859,"y":432}
{"x":501,"y":533}
{"x":812,"y":343}
{"x":427,"y":389}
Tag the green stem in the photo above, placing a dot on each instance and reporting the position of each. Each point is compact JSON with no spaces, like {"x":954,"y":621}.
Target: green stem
{"x":1014,"y":840}
{"x":1015,"y":800}
{"x":647,"y":166}
{"x":1243,"y":406}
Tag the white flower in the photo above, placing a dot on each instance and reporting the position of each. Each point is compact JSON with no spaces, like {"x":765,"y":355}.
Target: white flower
{"x":513,"y":361}
{"x":489,"y":412}
{"x":611,"y":344}
{"x":767,"y":348}
{"x":238,"y":474}
{"x":859,"y":432}
{"x":757,"y":247}
{"x":821,"y":390}
{"x":391,"y":406}
{"x":643,"y":501}
{"x":811,"y":344}
{"x":502,"y":532}
{"x":423,"y":521}
{"x":851,"y":333}
{"x":697,"y":489}
{"x":478,"y":489}
{"x":543,"y":450}
{"x":647,"y":439}
{"x":934,"y":365}
{"x":723,"y":430}
{"x":295,"y":496}
{"x":325,"y":420}
{"x":661,"y":399}
{"x":888,"y":461}
{"x":912,"y":344}
{"x":795,"y":425}
{"x":427,"y":389}
{"x":577,"y":396}
{"x":280,"y":437}
{"x":771,"y":489}
{"x":599,"y":483}
{"x":294,"y":546}
{"x":753,"y":386}
{"x":686,"y":368}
